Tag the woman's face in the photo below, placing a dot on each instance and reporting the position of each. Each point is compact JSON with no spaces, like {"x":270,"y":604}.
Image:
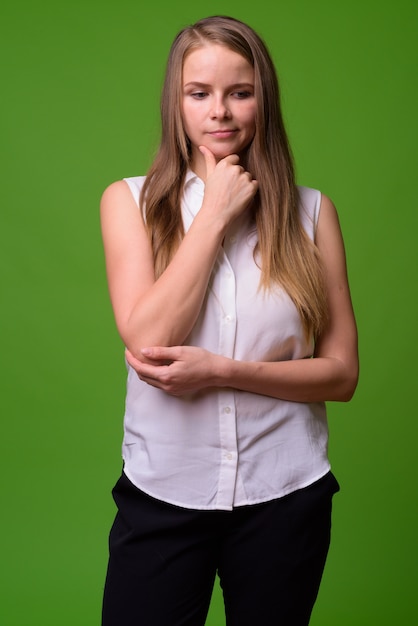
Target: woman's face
{"x":219,"y":106}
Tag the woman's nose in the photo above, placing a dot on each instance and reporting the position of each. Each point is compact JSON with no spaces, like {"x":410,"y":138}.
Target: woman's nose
{"x":219,"y":109}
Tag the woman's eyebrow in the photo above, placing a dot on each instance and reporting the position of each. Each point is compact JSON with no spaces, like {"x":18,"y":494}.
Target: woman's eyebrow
{"x":195,"y":83}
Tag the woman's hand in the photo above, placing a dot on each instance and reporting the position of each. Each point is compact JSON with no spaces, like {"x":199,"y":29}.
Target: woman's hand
{"x":178,"y":370}
{"x":229,"y":188}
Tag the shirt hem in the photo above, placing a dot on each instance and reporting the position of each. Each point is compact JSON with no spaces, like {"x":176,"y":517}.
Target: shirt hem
{"x":249,"y":502}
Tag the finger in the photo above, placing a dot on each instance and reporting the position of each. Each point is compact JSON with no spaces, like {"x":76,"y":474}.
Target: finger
{"x":137,"y":363}
{"x":210,"y":160}
{"x":149,"y":371}
{"x":160,"y":353}
{"x":233,"y":159}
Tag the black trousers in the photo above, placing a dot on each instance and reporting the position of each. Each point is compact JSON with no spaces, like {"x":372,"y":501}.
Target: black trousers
{"x":269,"y":558}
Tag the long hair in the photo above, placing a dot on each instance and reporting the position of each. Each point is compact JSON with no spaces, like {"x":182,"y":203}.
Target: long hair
{"x":286,"y":255}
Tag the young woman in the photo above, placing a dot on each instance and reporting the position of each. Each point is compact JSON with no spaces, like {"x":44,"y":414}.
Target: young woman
{"x":229,"y":288}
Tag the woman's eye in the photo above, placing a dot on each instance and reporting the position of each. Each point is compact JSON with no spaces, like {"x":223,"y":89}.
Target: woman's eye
{"x":199,"y":95}
{"x":241,"y":95}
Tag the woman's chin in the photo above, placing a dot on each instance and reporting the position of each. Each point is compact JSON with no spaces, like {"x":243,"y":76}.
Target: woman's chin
{"x":221,"y":153}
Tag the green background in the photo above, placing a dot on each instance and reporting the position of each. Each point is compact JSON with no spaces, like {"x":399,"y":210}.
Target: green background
{"x":80,"y":84}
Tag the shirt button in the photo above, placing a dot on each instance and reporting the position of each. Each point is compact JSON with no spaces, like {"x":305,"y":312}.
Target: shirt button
{"x":232,"y":239}
{"x":229,"y":456}
{"x":228,"y":318}
{"x":227,"y":409}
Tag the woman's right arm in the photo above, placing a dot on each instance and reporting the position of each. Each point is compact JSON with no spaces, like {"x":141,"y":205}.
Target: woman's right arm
{"x":163,"y":311}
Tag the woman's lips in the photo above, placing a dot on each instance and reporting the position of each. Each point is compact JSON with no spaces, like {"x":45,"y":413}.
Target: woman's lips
{"x":223,"y":133}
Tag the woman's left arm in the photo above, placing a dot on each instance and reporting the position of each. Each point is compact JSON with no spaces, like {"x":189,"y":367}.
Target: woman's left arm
{"x":331,"y":374}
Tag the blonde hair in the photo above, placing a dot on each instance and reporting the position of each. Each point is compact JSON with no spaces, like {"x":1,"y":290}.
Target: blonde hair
{"x":288,"y":257}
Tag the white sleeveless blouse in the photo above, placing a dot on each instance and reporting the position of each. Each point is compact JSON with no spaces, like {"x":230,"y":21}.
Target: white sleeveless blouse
{"x":224,"y":448}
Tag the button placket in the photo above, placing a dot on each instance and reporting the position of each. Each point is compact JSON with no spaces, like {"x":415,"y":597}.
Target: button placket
{"x":227,"y":417}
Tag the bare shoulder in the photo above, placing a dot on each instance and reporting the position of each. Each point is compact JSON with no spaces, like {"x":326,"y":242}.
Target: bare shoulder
{"x":328,"y":233}
{"x":328,"y":209}
{"x":116,"y":194}
{"x":119,"y":211}
{"x":122,"y":223}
